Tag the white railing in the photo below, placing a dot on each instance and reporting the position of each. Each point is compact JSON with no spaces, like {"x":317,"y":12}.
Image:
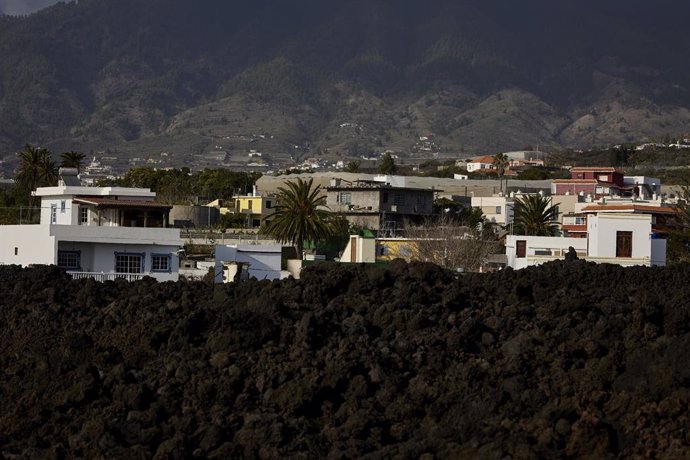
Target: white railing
{"x":107,"y":276}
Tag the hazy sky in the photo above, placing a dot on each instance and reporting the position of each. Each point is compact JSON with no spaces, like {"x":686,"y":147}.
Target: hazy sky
{"x":15,"y":7}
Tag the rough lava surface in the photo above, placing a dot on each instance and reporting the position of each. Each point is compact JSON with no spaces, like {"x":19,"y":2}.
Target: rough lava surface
{"x":566,"y":360}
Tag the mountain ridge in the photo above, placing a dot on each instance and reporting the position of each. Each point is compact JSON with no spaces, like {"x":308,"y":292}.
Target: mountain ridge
{"x":477,"y":76}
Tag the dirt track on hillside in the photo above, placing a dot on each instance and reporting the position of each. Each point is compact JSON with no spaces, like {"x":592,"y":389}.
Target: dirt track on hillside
{"x":564,"y":360}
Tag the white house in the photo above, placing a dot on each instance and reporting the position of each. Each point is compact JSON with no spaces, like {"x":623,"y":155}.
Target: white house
{"x":621,"y":238}
{"x":482,"y":163}
{"x":260,"y":261}
{"x":98,"y":232}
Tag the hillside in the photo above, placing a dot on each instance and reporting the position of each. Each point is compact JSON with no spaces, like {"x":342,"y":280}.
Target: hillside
{"x":341,"y":78}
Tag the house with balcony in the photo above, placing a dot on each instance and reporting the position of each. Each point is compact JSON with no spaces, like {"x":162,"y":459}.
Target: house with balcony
{"x":385,"y":204}
{"x":98,"y":232}
{"x":575,"y":223}
{"x":593,"y":181}
{"x":255,"y":208}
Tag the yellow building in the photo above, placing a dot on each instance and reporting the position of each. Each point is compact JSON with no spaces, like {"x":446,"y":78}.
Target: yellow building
{"x":256,"y":208}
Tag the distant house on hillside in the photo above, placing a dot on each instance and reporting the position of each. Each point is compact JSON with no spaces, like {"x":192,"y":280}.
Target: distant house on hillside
{"x":482,"y":163}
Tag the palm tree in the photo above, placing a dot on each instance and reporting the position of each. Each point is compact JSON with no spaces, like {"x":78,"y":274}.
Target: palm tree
{"x":72,"y":160}
{"x":501,"y":163}
{"x":535,"y":215}
{"x":36,"y":169}
{"x":299,"y":215}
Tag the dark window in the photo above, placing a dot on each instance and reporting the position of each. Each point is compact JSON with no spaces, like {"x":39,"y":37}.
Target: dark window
{"x":385,"y":197}
{"x":623,"y":244}
{"x":160,"y":262}
{"x":520,"y":248}
{"x":129,"y":263}
{"x":399,"y":199}
{"x":70,"y":260}
{"x":268,"y":204}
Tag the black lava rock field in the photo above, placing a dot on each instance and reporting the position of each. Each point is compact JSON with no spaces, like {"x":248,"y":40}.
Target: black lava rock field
{"x":566,"y":360}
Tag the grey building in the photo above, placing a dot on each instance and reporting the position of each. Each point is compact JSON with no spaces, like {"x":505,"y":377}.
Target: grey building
{"x":380,"y":205}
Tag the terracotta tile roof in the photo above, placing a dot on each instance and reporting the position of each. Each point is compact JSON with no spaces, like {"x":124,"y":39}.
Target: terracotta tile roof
{"x":112,"y":202}
{"x":487,"y":159}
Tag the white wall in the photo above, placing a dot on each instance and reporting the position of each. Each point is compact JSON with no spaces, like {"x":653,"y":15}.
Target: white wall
{"x":264,"y":260}
{"x":557,"y":245}
{"x":365,"y":250}
{"x":33,"y":245}
{"x":602,"y":228}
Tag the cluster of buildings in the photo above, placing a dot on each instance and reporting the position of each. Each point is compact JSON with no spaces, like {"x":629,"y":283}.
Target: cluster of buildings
{"x":116,"y":232}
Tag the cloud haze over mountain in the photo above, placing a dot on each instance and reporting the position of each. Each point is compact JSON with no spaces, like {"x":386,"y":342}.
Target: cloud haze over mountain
{"x":19,"y":7}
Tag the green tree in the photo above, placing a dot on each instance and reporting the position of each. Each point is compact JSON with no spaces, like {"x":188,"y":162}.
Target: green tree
{"x":300,"y":215}
{"x":501,"y":162}
{"x":36,"y":169}
{"x":353,"y":166}
{"x":387,"y":165}
{"x":72,"y":160}
{"x":535,"y":215}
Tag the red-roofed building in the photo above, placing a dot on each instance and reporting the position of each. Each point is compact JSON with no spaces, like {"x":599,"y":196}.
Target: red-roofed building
{"x":483,"y":163}
{"x":594,"y":181}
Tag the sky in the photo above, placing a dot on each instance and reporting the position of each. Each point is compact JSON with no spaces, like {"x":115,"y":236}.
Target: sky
{"x":17,"y":7}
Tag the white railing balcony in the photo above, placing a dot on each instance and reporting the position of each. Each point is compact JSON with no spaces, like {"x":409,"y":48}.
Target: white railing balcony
{"x":107,"y":276}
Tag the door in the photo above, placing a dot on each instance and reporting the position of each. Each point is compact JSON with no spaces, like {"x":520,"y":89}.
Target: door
{"x":520,"y":248}
{"x":623,"y":244}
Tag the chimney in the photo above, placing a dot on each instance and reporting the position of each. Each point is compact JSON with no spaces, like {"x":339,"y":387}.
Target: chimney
{"x":254,"y":192}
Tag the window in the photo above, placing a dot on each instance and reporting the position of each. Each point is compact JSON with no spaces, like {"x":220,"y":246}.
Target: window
{"x":250,"y":204}
{"x":16,"y":251}
{"x":83,"y":215}
{"x":603,"y":178}
{"x":63,"y":206}
{"x":160,"y":262}
{"x":70,"y":260}
{"x":53,"y":213}
{"x":623,"y":244}
{"x":346,"y":197}
{"x":268,"y":204}
{"x":385,"y":197}
{"x":421,"y":199}
{"x":399,"y":199}
{"x":129,"y":263}
{"x":520,"y":248}
{"x":498,"y":209}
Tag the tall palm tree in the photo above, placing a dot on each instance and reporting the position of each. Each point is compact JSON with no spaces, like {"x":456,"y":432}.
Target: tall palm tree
{"x":72,"y":160}
{"x":299,"y":215}
{"x":36,"y":169}
{"x":535,"y":215}
{"x":501,"y":162}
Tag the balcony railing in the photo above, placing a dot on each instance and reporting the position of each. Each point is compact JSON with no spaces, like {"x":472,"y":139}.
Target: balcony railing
{"x":107,"y":276}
